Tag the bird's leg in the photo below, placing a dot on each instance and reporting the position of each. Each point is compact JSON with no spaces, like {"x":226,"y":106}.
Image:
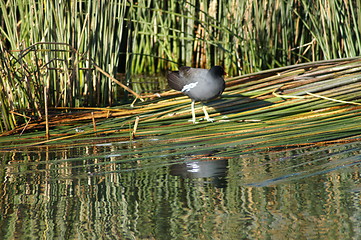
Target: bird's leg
{"x":206,"y":116}
{"x":193,"y":112}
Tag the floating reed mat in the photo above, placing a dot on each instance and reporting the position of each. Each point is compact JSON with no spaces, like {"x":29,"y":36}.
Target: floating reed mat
{"x":291,"y":106}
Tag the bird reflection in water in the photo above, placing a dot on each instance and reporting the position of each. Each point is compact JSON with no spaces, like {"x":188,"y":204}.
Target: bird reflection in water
{"x":204,"y":166}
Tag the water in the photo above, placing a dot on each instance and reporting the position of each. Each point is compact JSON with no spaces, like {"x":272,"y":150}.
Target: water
{"x":131,"y":190}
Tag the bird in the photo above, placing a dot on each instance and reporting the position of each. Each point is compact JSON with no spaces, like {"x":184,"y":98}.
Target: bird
{"x":199,"y":84}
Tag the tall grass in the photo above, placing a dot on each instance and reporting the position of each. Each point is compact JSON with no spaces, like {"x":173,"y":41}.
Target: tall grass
{"x":48,"y":48}
{"x":244,"y":36}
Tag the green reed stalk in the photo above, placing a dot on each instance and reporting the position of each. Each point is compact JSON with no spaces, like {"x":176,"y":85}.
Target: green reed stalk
{"x":69,"y":36}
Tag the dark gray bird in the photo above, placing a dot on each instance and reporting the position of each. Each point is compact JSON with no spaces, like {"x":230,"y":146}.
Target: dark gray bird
{"x":199,"y":84}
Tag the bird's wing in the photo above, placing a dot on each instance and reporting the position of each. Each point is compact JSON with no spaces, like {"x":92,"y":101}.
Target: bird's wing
{"x":186,"y":75}
{"x":174,"y":80}
{"x":178,"y":79}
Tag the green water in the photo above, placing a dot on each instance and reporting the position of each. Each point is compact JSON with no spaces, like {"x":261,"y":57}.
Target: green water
{"x":132,"y":190}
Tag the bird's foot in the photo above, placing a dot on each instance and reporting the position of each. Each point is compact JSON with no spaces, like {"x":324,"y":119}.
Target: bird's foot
{"x":208,"y":119}
{"x":193,"y":121}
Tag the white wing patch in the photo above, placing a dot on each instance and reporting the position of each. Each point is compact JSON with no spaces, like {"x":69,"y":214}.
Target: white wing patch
{"x":188,"y":87}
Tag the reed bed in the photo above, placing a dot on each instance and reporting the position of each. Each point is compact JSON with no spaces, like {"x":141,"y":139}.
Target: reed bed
{"x":315,"y":103}
{"x":67,"y":54}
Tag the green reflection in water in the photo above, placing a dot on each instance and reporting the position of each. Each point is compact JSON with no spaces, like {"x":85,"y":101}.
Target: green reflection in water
{"x":121,"y":191}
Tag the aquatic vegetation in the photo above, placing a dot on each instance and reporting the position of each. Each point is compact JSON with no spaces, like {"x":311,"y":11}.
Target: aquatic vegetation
{"x":291,"y":106}
{"x":72,"y":56}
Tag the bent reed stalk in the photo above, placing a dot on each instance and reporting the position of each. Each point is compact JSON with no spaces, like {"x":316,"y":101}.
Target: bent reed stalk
{"x":153,"y":36}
